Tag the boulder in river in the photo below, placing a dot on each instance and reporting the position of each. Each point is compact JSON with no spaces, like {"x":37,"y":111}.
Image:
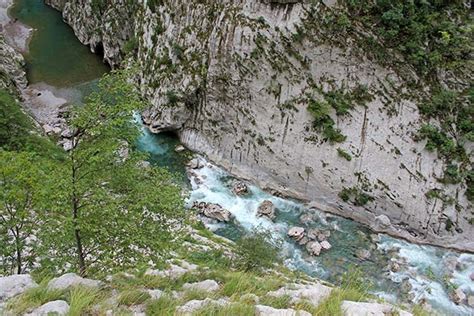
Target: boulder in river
{"x":306,"y":218}
{"x":195,"y":163}
{"x":296,"y":233}
{"x":266,"y":209}
{"x":303,"y":241}
{"x":318,"y":234}
{"x":212,"y":210}
{"x":472,"y":276}
{"x":458,"y":296}
{"x":179,"y":148}
{"x":314,"y":248}
{"x":325,"y":245}
{"x":393,"y":266}
{"x":240,"y":188}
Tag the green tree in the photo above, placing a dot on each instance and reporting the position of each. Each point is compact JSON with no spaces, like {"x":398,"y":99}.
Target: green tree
{"x":257,"y":251}
{"x":108,"y":209}
{"x":22,"y":181}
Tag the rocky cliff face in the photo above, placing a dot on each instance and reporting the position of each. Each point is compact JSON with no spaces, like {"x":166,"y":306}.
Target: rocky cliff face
{"x":235,"y":80}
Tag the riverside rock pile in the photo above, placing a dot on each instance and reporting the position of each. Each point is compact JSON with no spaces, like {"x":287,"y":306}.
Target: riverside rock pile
{"x":314,"y":240}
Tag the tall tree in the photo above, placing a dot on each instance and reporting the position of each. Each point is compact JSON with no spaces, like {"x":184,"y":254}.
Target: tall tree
{"x":110,"y":208}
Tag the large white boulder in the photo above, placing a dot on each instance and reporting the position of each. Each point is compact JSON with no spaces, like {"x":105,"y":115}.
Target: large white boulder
{"x":70,"y":280}
{"x":57,"y":308}
{"x":206,"y":286}
{"x":13,"y":285}
{"x":262,"y":310}
{"x":192,"y":306}
{"x":371,"y":309}
{"x":315,"y":293}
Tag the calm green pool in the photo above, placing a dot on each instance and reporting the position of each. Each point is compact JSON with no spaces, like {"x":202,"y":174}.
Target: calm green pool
{"x":55,"y":55}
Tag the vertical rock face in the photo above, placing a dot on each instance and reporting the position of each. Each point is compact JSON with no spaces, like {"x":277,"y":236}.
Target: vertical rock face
{"x":234,"y":79}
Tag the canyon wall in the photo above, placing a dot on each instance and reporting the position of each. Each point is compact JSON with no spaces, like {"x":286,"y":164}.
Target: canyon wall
{"x":235,"y":80}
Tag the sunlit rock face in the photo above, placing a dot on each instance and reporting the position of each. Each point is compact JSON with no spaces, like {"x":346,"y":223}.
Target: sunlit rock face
{"x":235,"y":78}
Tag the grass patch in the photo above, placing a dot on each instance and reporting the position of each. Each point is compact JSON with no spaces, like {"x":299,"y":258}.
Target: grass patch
{"x":133,"y":297}
{"x":240,"y":283}
{"x":164,"y":306}
{"x":236,"y":309}
{"x":276,"y":302}
{"x":81,"y":299}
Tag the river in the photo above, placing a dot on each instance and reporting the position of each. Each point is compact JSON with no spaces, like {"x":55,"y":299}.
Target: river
{"x":58,"y":60}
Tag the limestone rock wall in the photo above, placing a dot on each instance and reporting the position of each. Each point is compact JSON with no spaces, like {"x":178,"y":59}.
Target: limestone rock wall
{"x":233,"y":79}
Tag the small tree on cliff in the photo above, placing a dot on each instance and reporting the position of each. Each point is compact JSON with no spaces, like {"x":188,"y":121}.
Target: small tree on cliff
{"x":109,"y":209}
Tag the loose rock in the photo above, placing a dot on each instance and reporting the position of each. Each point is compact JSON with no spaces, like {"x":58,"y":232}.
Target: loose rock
{"x":70,"y":280}
{"x":363,"y":254}
{"x":14,"y":285}
{"x":313,"y":248}
{"x":212,"y":210}
{"x":58,"y":308}
{"x":262,"y":310}
{"x":458,"y":296}
{"x":325,"y":245}
{"x":371,"y":309}
{"x":179,"y":148}
{"x":296,"y":233}
{"x":206,"y":286}
{"x":240,"y":188}
{"x":266,"y":209}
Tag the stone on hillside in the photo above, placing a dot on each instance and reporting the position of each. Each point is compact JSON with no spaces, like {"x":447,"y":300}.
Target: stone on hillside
{"x":325,"y":245}
{"x":296,"y":233}
{"x":70,"y":280}
{"x":14,"y":285}
{"x":266,"y":209}
{"x":314,"y":248}
{"x":174,"y":271}
{"x":190,"y":307}
{"x":214,"y":211}
{"x":206,"y":286}
{"x":262,"y":310}
{"x":458,"y":296}
{"x":155,"y":294}
{"x":57,"y":308}
{"x":179,"y":148}
{"x":315,"y":293}
{"x":363,"y":254}
{"x":371,"y":309}
{"x":240,"y":188}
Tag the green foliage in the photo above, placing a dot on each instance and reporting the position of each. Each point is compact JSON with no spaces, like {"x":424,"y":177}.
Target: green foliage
{"x":154,"y":4}
{"x":82,"y":299}
{"x":165,"y":306}
{"x":279,"y":302}
{"x":131,"y":45}
{"x":133,"y":297}
{"x":355,"y":195}
{"x":23,"y":194}
{"x":430,"y":34}
{"x":235,"y":309}
{"x":353,"y":287}
{"x":17,"y":131}
{"x":344,"y":154}
{"x":257,"y":251}
{"x":323,"y":122}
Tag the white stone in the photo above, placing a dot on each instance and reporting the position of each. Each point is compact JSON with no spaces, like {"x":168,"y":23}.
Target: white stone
{"x":262,"y":310}
{"x":325,"y":245}
{"x":315,"y":293}
{"x":371,"y":309}
{"x":206,"y":285}
{"x":13,"y":285}
{"x":296,"y":233}
{"x":155,"y":294}
{"x":192,"y":306}
{"x":70,"y":280}
{"x":314,"y":248}
{"x":58,"y":308}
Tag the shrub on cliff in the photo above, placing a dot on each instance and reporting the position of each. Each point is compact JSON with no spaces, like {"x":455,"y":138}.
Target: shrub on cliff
{"x":257,"y":251}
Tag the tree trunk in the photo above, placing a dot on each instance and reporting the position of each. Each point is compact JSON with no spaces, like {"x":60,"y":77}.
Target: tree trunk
{"x":75,"y":217}
{"x":18,"y":251}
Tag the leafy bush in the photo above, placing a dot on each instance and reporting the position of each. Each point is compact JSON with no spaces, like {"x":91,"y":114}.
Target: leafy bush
{"x":257,"y":251}
{"x":355,"y":196}
{"x":342,"y":153}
